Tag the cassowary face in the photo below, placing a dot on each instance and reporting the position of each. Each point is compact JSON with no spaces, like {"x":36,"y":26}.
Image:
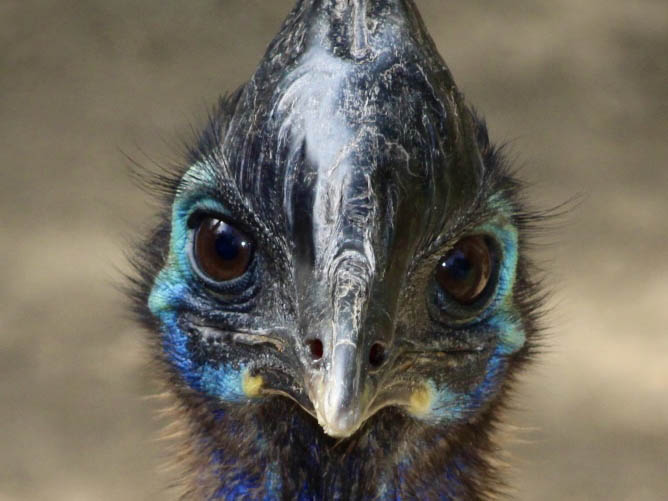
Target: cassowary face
{"x":338,"y":238}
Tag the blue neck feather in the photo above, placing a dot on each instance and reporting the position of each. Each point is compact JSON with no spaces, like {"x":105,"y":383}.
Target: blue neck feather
{"x":316,"y":467}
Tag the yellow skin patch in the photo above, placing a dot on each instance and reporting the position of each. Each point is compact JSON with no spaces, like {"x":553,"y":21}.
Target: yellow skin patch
{"x":251,"y":384}
{"x":420,"y":401}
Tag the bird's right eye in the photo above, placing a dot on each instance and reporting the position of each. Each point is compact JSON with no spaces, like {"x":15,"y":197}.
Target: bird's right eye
{"x":221,"y":252}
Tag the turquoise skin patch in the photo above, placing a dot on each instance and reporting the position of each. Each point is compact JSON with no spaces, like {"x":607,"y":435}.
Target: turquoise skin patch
{"x":441,"y":404}
{"x":170,"y":292}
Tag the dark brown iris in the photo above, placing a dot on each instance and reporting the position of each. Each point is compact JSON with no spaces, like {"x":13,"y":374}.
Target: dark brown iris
{"x":465,"y":270}
{"x":221,"y":251}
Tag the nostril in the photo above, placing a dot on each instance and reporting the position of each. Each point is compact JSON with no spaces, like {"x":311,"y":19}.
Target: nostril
{"x":315,"y":346}
{"x":377,"y":355}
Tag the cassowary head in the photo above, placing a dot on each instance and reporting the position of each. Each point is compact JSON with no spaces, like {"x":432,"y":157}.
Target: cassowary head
{"x":343,"y":235}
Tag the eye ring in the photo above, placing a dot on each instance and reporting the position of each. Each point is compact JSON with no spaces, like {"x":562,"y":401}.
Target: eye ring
{"x":219,"y":251}
{"x":466,"y":274}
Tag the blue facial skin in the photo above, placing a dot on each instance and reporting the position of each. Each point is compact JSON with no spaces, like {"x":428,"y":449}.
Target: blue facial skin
{"x":498,"y":316}
{"x":174,"y":290}
{"x":178,"y":284}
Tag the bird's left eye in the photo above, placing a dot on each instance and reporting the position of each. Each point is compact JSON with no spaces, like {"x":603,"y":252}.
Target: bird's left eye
{"x":464,"y":272}
{"x":221,"y":251}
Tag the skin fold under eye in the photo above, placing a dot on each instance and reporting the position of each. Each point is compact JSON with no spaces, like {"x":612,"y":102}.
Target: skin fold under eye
{"x":464,"y":272}
{"x":221,"y":252}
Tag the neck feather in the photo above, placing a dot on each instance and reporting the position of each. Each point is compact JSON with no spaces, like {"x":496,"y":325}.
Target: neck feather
{"x":273,"y":450}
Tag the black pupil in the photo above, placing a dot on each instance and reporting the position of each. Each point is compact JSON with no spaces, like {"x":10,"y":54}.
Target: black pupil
{"x":229,"y":242}
{"x":458,"y":265}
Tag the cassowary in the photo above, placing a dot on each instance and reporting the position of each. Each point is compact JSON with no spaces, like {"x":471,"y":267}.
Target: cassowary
{"x":338,"y":292}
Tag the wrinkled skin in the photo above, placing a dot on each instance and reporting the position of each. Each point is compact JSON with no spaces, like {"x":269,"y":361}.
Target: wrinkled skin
{"x":352,"y":162}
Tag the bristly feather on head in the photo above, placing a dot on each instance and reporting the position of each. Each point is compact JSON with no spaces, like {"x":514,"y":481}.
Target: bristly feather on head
{"x":338,"y":291}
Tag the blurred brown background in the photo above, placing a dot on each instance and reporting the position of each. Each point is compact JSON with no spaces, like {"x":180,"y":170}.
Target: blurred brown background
{"x":579,"y":89}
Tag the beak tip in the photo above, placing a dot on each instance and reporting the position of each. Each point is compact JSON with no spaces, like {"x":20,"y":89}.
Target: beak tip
{"x":337,"y":399}
{"x":336,"y":419}
{"x":341,"y":425}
